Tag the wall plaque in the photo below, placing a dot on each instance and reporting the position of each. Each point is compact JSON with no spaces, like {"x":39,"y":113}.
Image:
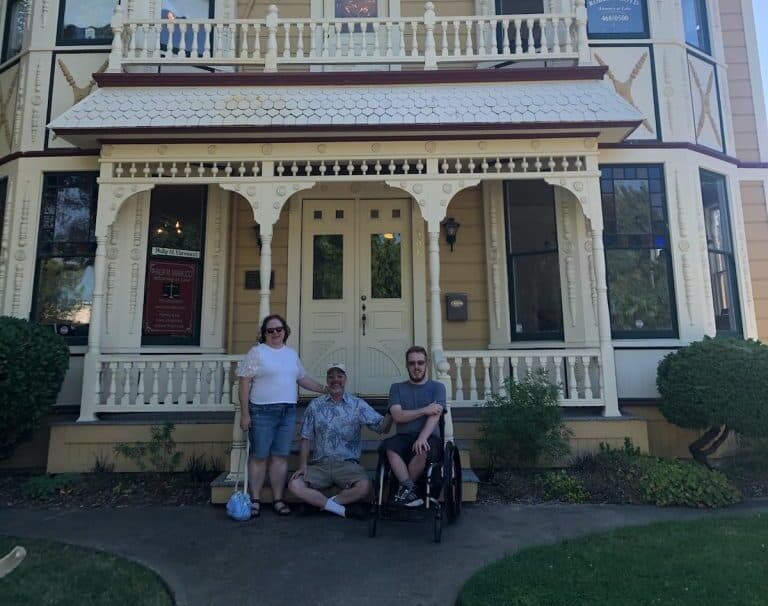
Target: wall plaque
{"x":617,"y":19}
{"x":253,"y":280}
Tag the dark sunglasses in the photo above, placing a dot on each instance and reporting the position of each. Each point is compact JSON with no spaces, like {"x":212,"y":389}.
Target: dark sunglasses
{"x":276,"y":329}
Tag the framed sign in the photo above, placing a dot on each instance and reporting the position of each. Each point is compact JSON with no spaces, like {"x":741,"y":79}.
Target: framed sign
{"x":171,"y":297}
{"x":617,"y":19}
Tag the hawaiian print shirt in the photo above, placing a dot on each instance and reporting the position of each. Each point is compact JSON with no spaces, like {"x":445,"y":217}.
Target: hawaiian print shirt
{"x":336,"y":429}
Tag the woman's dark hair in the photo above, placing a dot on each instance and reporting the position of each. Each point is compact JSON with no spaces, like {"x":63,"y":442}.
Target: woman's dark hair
{"x":263,"y":331}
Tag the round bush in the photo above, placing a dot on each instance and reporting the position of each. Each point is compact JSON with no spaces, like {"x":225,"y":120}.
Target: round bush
{"x":716,"y":382}
{"x":33,"y":362}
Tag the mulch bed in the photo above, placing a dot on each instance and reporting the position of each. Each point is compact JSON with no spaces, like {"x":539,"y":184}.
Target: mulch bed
{"x":103,"y":490}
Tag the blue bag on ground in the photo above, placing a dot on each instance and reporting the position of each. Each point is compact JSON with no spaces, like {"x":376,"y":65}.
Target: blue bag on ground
{"x":239,"y":504}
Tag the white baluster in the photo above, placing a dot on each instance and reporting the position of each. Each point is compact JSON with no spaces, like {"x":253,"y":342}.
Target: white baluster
{"x":587,"y":378}
{"x":499,"y":374}
{"x":505,"y":37}
{"x":573,"y":388}
{"x":154,"y":399}
{"x":257,"y":41}
{"x":243,"y":53}
{"x":125,"y":399}
{"x":567,"y":27}
{"x":487,"y":391}
{"x":443,"y":38}
{"x":312,"y":40}
{"x":184,"y":370}
{"x":112,"y":394}
{"x":198,"y":366}
{"x":207,"y":41}
{"x":300,"y":40}
{"x":390,"y":39}
{"x":170,"y":27}
{"x":225,"y":384}
{"x":472,"y":379}
{"x":456,"y":38}
{"x":558,"y":364}
{"x":531,"y":39}
{"x":480,"y":37}
{"x":470,"y":45}
{"x":140,"y":369}
{"x":459,"y":379}
{"x":514,"y":363}
{"x":286,"y":39}
{"x":169,"y":368}
{"x":518,"y":37}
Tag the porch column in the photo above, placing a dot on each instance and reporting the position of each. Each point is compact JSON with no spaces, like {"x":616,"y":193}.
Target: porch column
{"x":267,"y":200}
{"x":92,"y":364}
{"x":112,"y":195}
{"x":435,"y":312}
{"x":610,"y":393}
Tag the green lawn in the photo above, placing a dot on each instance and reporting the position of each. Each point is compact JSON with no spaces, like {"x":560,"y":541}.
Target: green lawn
{"x":721,"y":562}
{"x":54,"y":573}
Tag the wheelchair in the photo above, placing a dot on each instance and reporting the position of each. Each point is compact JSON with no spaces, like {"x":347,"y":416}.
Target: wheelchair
{"x":442,"y":476}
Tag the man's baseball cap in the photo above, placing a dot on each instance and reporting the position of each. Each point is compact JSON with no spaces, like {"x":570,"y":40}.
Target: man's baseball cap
{"x":338,"y":365}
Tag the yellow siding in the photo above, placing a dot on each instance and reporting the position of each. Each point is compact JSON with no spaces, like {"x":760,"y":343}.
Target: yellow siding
{"x":740,"y":87}
{"x":463,"y":270}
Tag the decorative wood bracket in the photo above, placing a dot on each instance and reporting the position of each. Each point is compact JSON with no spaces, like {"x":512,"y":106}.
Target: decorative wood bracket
{"x":111,"y":198}
{"x":586,"y":189}
{"x":433,"y":197}
{"x":267,"y":199}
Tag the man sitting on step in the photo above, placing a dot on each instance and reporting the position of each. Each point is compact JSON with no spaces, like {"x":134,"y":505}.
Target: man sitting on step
{"x":333,"y":425}
{"x":416,"y":406}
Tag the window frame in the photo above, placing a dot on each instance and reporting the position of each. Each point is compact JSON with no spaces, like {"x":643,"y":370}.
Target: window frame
{"x":170,"y":340}
{"x":7,"y":30}
{"x":644,"y":35}
{"x":639,"y":334}
{"x":510,"y":257}
{"x":82,"y":338}
{"x":3,"y":206}
{"x":730,"y":255}
{"x":60,"y":41}
{"x":704,"y":13}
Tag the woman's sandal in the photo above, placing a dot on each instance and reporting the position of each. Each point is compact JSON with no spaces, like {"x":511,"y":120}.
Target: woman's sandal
{"x":281,"y":508}
{"x":255,"y":508}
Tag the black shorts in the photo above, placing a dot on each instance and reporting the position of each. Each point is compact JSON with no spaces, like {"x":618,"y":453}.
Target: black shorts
{"x":402,"y":444}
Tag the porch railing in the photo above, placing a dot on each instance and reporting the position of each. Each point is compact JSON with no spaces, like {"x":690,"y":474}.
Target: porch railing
{"x":475,"y":375}
{"x":155,"y":383}
{"x":427,"y":40}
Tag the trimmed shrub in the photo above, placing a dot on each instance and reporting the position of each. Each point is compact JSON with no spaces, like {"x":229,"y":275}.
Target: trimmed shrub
{"x":523,"y":423}
{"x":159,"y":454}
{"x":667,"y":483}
{"x":33,"y":362}
{"x":716,"y":385}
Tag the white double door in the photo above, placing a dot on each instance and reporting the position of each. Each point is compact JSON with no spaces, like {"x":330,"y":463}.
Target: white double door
{"x":356,"y":289}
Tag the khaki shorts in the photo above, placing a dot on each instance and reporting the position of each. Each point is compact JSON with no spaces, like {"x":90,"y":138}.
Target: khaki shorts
{"x":343,"y":474}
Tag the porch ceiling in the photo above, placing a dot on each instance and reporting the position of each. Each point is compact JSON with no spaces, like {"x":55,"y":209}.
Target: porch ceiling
{"x":350,"y":111}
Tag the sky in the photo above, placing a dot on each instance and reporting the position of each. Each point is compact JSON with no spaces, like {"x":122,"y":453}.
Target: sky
{"x":761,"y":22}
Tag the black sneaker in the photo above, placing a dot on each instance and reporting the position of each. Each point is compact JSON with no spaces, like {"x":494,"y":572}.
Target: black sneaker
{"x":406,"y":497}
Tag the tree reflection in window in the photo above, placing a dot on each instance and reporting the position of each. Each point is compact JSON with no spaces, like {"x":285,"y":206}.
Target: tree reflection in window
{"x":386,"y":282}
{"x":328,"y":267}
{"x":356,"y":8}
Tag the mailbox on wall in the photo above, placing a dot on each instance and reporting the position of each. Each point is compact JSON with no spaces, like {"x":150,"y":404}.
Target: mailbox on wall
{"x":456,"y":306}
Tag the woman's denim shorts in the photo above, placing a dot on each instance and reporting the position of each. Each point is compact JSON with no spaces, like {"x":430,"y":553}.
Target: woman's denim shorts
{"x":272,"y":427}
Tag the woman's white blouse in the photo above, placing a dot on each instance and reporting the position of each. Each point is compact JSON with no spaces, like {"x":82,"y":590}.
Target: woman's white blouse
{"x":275,"y":373}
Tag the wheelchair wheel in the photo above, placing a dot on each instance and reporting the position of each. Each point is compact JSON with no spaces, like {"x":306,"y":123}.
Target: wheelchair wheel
{"x":452,"y":482}
{"x":437,"y":525}
{"x":377,"y":500}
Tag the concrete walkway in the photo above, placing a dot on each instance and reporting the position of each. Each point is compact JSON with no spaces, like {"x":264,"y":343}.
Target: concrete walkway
{"x":209,"y":560}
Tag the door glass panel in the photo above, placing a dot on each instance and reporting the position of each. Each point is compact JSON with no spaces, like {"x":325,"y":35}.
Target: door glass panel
{"x":386,"y":277}
{"x":64,"y":292}
{"x":328,"y":267}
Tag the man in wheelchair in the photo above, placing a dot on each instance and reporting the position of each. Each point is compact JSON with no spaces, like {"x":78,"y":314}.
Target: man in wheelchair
{"x":332,"y":429}
{"x":416,"y":406}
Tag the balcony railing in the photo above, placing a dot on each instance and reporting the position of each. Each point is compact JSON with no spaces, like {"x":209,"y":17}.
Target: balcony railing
{"x":429,"y":41}
{"x":476,"y":375}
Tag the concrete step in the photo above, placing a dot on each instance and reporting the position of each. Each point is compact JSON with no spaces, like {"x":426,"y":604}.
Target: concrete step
{"x":222,"y":488}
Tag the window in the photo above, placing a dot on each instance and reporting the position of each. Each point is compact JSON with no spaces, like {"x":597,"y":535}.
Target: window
{"x":15,"y":22}
{"x":722,"y":266}
{"x":173,"y":292}
{"x":695,"y":24}
{"x":617,"y":19}
{"x":519,"y":7}
{"x":637,"y":256}
{"x":85,"y":22}
{"x":532,"y":261}
{"x":65,"y":254}
{"x":351,"y":8}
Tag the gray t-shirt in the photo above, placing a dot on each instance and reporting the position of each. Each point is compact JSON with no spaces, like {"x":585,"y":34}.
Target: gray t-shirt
{"x":412,"y":397}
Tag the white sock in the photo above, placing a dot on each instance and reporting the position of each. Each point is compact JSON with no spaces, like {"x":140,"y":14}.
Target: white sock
{"x":332,"y":506}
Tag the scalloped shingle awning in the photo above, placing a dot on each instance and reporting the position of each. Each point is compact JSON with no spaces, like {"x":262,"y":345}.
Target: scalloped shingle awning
{"x":560,"y":106}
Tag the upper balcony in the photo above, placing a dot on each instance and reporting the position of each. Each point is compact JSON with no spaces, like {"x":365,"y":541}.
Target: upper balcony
{"x":428,"y":41}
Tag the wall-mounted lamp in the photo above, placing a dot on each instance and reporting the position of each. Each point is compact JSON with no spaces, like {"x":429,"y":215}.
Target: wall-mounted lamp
{"x":257,"y":233}
{"x":451,"y":227}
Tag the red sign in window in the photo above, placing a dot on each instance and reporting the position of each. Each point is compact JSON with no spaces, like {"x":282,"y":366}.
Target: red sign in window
{"x":170,"y":298}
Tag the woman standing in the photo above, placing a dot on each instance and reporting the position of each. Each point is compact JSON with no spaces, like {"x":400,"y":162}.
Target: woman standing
{"x":268,"y":377}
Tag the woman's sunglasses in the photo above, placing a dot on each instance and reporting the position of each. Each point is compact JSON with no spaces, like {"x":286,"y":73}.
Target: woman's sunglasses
{"x":276,"y":329}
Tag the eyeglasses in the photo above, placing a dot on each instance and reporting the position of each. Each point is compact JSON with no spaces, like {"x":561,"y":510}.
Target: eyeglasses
{"x":416,"y":362}
{"x":276,"y":329}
